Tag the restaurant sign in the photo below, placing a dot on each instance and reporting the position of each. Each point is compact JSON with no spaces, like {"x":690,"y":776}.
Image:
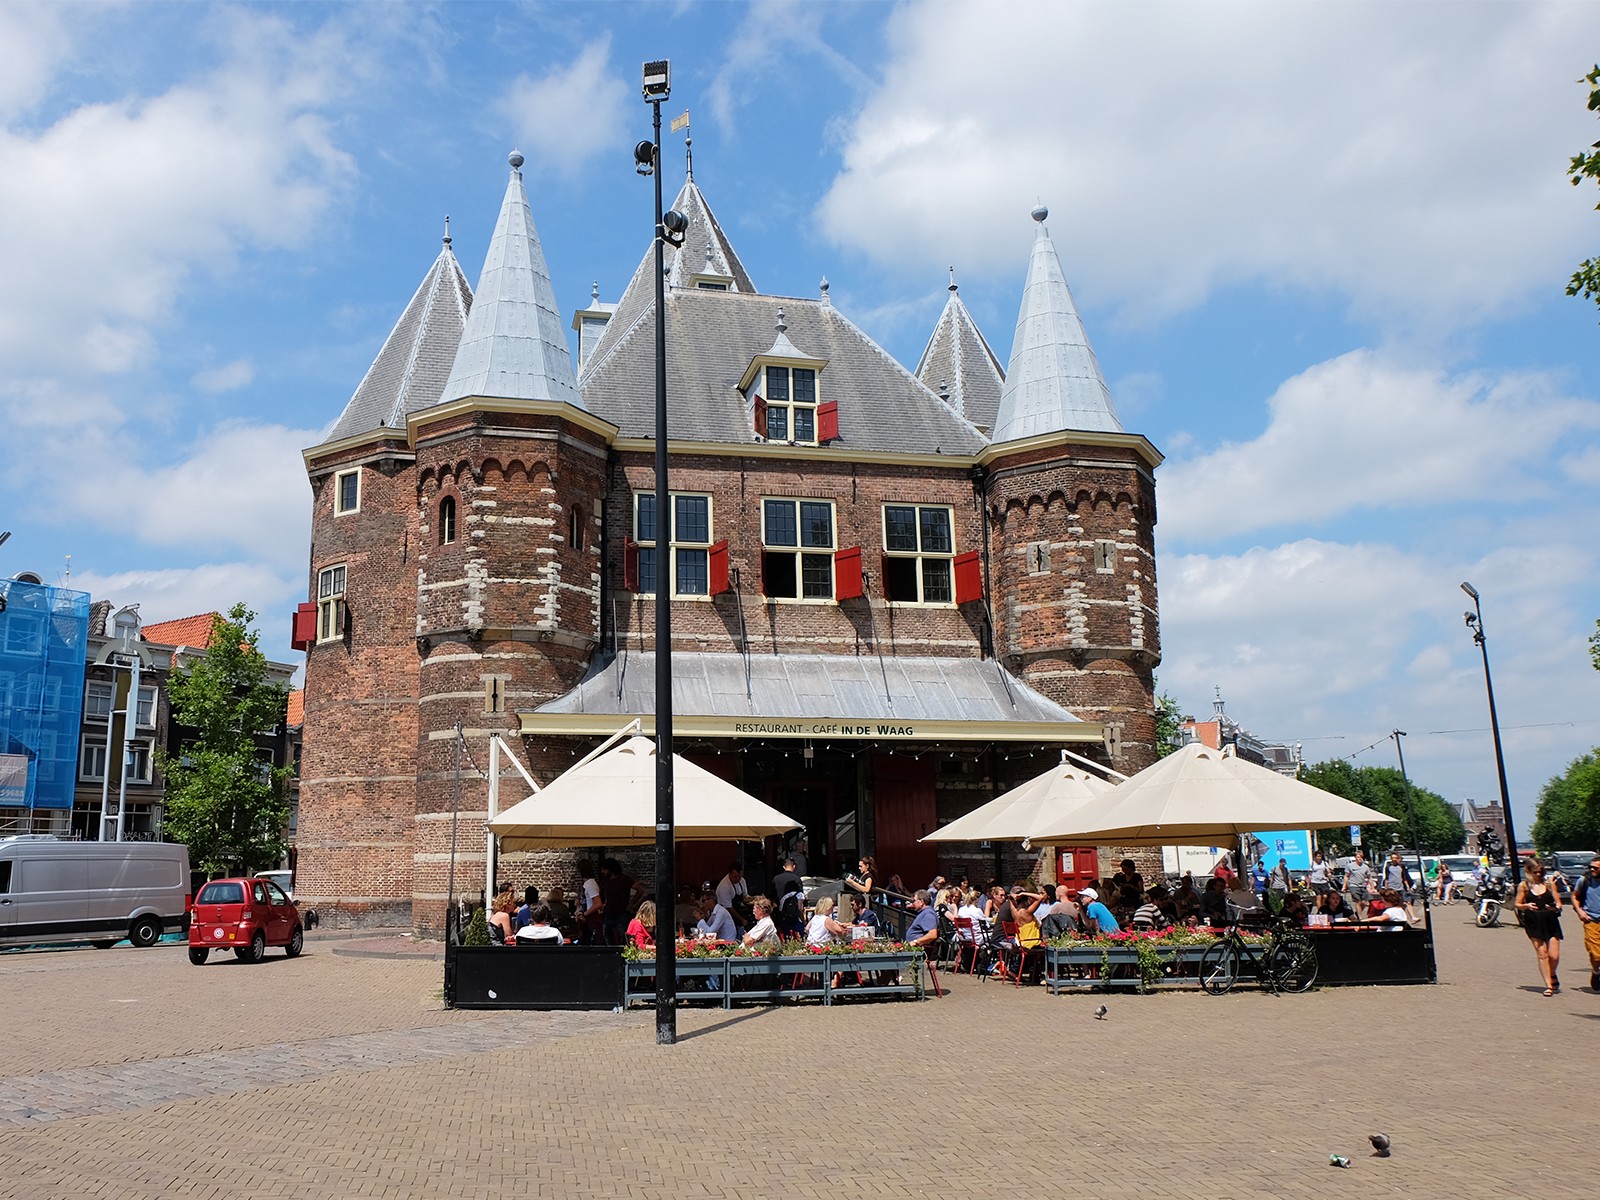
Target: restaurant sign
{"x":876,"y":729}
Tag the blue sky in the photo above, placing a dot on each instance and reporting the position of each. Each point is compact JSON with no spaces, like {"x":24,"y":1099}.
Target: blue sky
{"x":1320,"y":249}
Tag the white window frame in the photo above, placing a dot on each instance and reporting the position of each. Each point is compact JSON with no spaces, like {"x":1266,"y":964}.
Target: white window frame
{"x":140,"y":761}
{"x":681,"y":551}
{"x":339,"y":508}
{"x":787,"y":406}
{"x":91,"y":747}
{"x":801,"y":550}
{"x":145,"y":710}
{"x":922,"y":556}
{"x":331,"y":584}
{"x":105,"y":688}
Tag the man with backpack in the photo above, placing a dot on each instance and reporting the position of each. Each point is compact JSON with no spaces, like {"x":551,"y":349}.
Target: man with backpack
{"x":791,"y":894}
{"x":1586,"y":903}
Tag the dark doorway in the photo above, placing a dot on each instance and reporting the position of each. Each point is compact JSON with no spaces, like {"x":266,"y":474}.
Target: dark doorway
{"x":903,"y":812}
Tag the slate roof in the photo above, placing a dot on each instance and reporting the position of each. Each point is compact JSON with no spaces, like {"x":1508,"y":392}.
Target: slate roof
{"x":811,"y":685}
{"x":411,"y":369}
{"x":514,"y":345}
{"x":958,"y":357}
{"x":712,"y":337}
{"x":705,"y":251}
{"x":1053,"y":381}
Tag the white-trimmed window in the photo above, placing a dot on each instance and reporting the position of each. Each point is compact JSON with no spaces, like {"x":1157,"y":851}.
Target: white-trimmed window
{"x":139,"y":762}
{"x":145,"y":715}
{"x":791,"y":398}
{"x":98,"y":697}
{"x":918,"y":552}
{"x":347,"y":491}
{"x":689,"y":542}
{"x":330,"y":603}
{"x":447,"y":521}
{"x":797,"y":547}
{"x":92,"y":758}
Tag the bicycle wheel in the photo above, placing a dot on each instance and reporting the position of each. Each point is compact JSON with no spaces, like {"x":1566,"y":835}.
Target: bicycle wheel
{"x":1293,"y":964}
{"x":1219,"y":967}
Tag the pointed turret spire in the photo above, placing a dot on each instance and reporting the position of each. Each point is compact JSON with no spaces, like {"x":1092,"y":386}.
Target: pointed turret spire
{"x":1053,"y":382}
{"x":959,"y":364}
{"x":514,"y":346}
{"x":411,"y":369}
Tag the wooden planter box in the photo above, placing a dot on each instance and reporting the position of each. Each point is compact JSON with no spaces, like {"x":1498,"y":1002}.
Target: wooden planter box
{"x":768,"y":979}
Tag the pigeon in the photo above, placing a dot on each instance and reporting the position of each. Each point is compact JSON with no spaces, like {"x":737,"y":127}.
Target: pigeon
{"x":1380,"y":1145}
{"x":1100,"y":1015}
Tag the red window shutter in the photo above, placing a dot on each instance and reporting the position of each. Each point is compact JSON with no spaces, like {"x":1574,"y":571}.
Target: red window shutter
{"x":847,"y":574}
{"x":304,"y":627}
{"x":828,"y":421}
{"x":630,"y":565}
{"x":718,"y":556}
{"x":761,"y":416}
{"x":969,"y":577}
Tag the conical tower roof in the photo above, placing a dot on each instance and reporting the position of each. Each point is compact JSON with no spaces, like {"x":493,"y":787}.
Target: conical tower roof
{"x":959,"y":365}
{"x":1053,"y":382}
{"x":514,"y":345}
{"x":705,"y":251}
{"x":411,"y":370}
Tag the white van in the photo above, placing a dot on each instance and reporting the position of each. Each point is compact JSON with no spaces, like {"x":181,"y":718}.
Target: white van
{"x":53,"y":890}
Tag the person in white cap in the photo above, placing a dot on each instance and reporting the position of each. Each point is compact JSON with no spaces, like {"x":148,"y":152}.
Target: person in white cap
{"x":1096,"y":918}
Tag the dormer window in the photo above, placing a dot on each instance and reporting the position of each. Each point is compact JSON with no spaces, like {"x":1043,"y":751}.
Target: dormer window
{"x":792,"y":405}
{"x":712,"y":283}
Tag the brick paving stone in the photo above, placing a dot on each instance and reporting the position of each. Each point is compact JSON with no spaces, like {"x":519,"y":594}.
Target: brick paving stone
{"x":337,"y":1077}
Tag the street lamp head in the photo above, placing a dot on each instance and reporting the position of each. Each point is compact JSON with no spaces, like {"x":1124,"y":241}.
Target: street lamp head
{"x":1470,"y":590}
{"x":657,"y":81}
{"x":673,"y":226}
{"x":644,"y":157}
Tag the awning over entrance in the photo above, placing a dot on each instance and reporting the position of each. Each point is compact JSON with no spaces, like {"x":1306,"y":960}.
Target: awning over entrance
{"x":816,"y":696}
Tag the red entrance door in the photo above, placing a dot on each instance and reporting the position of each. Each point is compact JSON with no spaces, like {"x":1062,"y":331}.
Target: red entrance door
{"x":903,"y":811}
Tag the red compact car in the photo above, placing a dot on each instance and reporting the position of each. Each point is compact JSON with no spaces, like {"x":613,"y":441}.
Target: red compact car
{"x":245,"y":916}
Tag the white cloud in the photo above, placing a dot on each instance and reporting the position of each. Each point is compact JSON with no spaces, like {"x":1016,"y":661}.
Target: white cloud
{"x":117,"y":204}
{"x":228,"y":377}
{"x":567,"y":116}
{"x":33,"y":43}
{"x":168,"y":593}
{"x":1412,"y":164}
{"x":239,"y":488}
{"x":770,"y":34}
{"x":1361,"y":432}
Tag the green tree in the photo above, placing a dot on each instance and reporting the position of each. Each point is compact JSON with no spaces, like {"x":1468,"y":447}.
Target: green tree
{"x":1169,"y":725}
{"x":224,"y":799}
{"x":1586,"y":279}
{"x":1594,"y":646}
{"x":1568,"y":817}
{"x":1439,"y":828}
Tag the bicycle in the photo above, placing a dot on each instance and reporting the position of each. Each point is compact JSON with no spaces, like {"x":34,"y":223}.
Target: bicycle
{"x":1285,"y":961}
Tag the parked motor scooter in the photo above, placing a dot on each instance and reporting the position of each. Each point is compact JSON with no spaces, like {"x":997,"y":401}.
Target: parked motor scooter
{"x":1491,"y":899}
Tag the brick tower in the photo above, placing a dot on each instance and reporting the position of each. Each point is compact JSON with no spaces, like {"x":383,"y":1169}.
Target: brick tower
{"x":1071,"y":504}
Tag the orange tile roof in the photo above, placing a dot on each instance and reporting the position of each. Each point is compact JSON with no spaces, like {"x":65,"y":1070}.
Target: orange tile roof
{"x":297,"y":707}
{"x":194,"y":631}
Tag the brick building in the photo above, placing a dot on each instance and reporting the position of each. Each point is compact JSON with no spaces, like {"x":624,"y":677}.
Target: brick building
{"x":895,"y":591}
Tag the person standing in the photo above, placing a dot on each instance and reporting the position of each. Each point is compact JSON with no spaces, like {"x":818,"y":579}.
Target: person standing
{"x":1280,"y":880}
{"x":1318,"y":877}
{"x":802,"y":865}
{"x":591,"y":911}
{"x":791,"y":894}
{"x":1447,"y":883}
{"x":1357,"y":879}
{"x":1396,"y":878}
{"x":1540,"y":907}
{"x":1586,"y":903}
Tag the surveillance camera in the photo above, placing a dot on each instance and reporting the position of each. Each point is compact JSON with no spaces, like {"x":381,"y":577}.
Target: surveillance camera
{"x":644,"y":157}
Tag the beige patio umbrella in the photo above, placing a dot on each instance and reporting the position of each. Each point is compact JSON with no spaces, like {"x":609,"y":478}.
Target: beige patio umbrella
{"x":1018,"y":815}
{"x":611,"y":801}
{"x":1205,"y":796}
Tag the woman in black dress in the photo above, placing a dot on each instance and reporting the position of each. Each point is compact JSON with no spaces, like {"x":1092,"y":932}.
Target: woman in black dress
{"x":1540,"y":909}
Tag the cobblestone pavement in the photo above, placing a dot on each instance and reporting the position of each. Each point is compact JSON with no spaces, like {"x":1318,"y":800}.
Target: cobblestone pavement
{"x":130,"y":1073}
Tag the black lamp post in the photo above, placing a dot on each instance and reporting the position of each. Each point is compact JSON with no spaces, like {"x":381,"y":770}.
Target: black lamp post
{"x":669,"y":228}
{"x":1475,"y":623}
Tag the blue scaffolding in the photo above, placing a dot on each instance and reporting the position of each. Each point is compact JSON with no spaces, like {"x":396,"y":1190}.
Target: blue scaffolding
{"x":44,"y":639}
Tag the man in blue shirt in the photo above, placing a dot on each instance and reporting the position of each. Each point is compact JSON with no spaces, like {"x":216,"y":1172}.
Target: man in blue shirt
{"x":1096,"y":917}
{"x":1586,"y":903}
{"x":715,"y":920}
{"x":924,"y":928}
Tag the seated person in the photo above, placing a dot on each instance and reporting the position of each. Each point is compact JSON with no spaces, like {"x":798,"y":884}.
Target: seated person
{"x":1127,"y":877}
{"x":1096,"y":918}
{"x":765,"y":931}
{"x":642,"y":929}
{"x":715,"y":921}
{"x":860,"y":914}
{"x":1214,"y":902}
{"x":502,"y":921}
{"x":822,"y":929}
{"x":1336,"y":908}
{"x":924,"y":928}
{"x":993,"y":900}
{"x":530,"y":897}
{"x":540,"y":928}
{"x":971,"y":909}
{"x":1030,"y":947}
{"x":685,"y":913}
{"x":1149,"y":915}
{"x":1294,"y":909}
{"x":1390,"y":906}
{"x":561,"y":913}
